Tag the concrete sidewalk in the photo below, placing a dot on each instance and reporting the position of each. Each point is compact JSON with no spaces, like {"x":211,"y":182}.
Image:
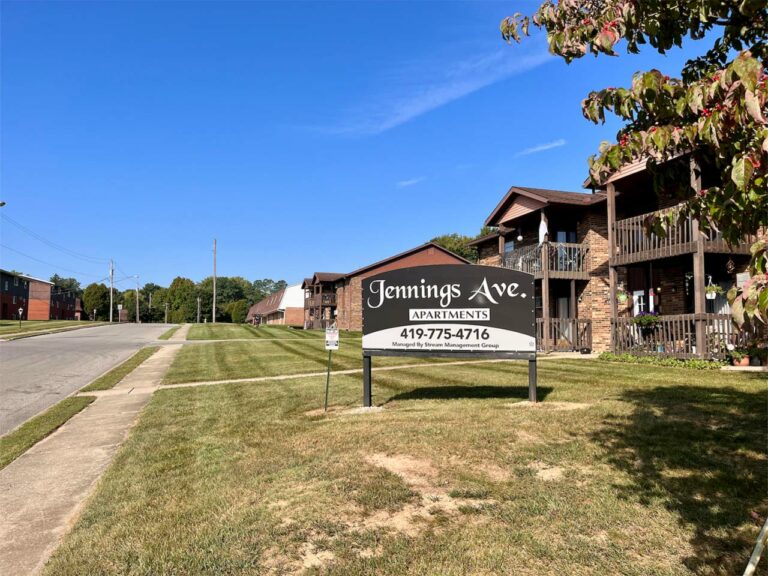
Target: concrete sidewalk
{"x":42,"y":492}
{"x":180,"y":334}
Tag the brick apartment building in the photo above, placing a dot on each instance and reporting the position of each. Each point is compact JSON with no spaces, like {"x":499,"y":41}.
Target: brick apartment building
{"x":348,"y":288}
{"x":39,"y":299}
{"x":284,"y":307}
{"x":562,"y":239}
{"x":596,"y":268}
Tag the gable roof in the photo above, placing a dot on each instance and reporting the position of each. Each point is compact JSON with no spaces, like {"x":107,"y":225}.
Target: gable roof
{"x":403,"y":255}
{"x":267,"y":305}
{"x":543,"y":197}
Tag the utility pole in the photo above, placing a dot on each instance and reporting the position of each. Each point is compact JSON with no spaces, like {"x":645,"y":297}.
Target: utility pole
{"x":166,"y":312}
{"x":213,"y":318}
{"x":150,"y":300}
{"x":198,"y":309}
{"x":111,"y":286}
{"x":137,"y":298}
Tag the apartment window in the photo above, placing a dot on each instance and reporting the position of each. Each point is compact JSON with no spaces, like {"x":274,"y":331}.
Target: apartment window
{"x":14,"y":299}
{"x":15,"y":280}
{"x":509,"y":246}
{"x":6,"y":285}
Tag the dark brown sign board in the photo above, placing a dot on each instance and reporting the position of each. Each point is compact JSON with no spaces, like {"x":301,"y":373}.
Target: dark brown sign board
{"x":449,"y":311}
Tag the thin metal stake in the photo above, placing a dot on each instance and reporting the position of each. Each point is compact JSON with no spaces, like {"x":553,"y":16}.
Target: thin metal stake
{"x":327,"y":380}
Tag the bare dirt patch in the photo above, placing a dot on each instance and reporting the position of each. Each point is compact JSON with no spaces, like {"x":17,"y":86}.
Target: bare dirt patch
{"x":546,"y":472}
{"x":423,"y":478}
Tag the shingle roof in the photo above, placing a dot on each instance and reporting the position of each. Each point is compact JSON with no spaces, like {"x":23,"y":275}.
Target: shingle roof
{"x":546,"y":196}
{"x":266,"y":306}
{"x":402,"y":255}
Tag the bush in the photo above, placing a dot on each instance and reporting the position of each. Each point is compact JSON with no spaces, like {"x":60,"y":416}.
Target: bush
{"x":661,"y":361}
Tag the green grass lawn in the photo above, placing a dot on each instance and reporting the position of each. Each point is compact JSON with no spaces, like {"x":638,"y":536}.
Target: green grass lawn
{"x":12,"y":326}
{"x":620,"y":470}
{"x":224,"y":360}
{"x":15,"y":443}
{"x":240,"y":331}
{"x":108,"y":380}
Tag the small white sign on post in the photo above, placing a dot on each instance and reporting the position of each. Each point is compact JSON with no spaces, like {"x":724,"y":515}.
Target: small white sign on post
{"x":119,"y":307}
{"x":331,"y":338}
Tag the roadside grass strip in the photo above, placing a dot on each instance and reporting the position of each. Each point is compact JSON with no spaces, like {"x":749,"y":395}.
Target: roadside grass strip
{"x":15,"y":443}
{"x":10,"y":330}
{"x":616,"y":471}
{"x":114,"y":376}
{"x":168,"y":333}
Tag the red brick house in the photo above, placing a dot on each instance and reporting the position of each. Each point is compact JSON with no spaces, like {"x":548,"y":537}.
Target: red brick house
{"x":348,"y":288}
{"x":562,"y":239}
{"x":283,"y":307}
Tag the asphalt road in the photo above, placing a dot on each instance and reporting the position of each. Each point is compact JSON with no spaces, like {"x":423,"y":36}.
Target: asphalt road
{"x":35,"y":373}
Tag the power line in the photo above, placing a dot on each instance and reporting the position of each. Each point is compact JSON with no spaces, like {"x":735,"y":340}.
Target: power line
{"x":50,"y":243}
{"x":55,"y":266}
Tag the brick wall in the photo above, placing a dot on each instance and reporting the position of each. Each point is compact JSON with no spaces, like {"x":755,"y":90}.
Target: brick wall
{"x":39,"y":301}
{"x":294,"y":317}
{"x":349,"y":294}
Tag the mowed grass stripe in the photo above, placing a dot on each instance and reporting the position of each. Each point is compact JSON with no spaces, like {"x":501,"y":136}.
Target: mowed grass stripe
{"x":15,"y":443}
{"x":238,"y":479}
{"x":168,"y":333}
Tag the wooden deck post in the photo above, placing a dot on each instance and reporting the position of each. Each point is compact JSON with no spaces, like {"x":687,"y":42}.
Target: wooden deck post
{"x":612,"y":276}
{"x":699,"y":298}
{"x":545,"y":293}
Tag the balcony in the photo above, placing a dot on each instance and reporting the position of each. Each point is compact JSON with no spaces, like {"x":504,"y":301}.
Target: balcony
{"x":563,"y":334}
{"x":318,"y":300}
{"x":553,"y":259}
{"x":634,"y":243}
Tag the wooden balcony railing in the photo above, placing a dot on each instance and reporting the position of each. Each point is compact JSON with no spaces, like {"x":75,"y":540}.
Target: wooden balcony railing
{"x":317,"y":300}
{"x":563,"y":334}
{"x":634,"y":243}
{"x":555,"y":259}
{"x":675,"y":336}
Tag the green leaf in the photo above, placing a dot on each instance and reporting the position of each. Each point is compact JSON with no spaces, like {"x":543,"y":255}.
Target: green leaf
{"x":741,"y":173}
{"x":748,"y":70}
{"x":737,"y":311}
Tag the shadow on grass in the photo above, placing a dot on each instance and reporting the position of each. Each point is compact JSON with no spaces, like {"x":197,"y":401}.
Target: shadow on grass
{"x":700,"y":452}
{"x":463,"y":392}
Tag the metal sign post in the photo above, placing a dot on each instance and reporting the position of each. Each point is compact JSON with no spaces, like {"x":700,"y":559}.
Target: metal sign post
{"x":449,"y":311}
{"x":21,"y":313}
{"x":331,"y":344}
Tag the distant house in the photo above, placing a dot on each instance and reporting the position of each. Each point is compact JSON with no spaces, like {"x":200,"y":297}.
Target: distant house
{"x":348,"y":288}
{"x":284,"y":307}
{"x":14,"y":292}
{"x":38,"y":299}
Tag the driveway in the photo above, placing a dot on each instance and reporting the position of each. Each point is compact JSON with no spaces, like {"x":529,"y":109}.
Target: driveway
{"x":35,"y":373}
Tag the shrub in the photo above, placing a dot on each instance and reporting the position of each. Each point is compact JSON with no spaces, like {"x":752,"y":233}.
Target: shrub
{"x":694,"y":364}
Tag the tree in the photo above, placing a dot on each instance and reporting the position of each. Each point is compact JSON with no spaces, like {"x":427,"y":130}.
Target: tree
{"x":182,"y":300}
{"x":96,"y":297}
{"x":459,"y":244}
{"x":262,"y":288}
{"x":67,"y":285}
{"x":715,"y":112}
{"x":237,"y":311}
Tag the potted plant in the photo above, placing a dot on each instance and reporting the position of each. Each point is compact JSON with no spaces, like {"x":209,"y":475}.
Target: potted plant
{"x":647,"y":322}
{"x":739,"y":355}
{"x":622,"y":296}
{"x":712,"y":290}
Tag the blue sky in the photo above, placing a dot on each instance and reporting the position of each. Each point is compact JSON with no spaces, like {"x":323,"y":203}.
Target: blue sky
{"x":303,"y":136}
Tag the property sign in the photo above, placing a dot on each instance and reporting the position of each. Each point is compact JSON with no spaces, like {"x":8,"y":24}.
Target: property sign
{"x":449,"y":308}
{"x":331,"y":338}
